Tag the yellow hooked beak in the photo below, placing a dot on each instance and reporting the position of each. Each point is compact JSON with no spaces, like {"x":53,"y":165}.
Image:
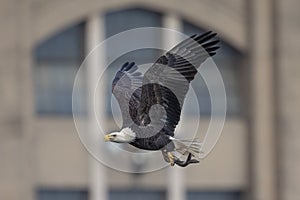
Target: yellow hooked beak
{"x":108,"y":138}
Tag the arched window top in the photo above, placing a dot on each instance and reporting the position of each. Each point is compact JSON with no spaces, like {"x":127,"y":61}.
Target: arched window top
{"x":122,"y":20}
{"x":66,"y":44}
{"x":57,"y":60}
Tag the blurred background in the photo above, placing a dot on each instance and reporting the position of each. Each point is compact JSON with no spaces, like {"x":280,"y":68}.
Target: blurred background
{"x":43,"y":43}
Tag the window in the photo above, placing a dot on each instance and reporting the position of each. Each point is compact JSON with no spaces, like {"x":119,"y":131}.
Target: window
{"x":228,"y":61}
{"x":118,"y":21}
{"x":57,"y":61}
{"x":195,"y":195}
{"x":137,"y":195}
{"x":62,"y":195}
{"x":123,"y":20}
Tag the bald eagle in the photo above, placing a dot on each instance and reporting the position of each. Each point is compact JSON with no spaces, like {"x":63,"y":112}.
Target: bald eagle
{"x":151,"y":102}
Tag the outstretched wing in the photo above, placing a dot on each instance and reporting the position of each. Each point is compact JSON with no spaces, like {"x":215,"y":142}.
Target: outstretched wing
{"x":167,"y":81}
{"x":126,"y":89}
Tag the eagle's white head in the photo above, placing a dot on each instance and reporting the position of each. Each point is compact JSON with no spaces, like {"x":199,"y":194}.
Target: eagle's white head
{"x":126,"y":135}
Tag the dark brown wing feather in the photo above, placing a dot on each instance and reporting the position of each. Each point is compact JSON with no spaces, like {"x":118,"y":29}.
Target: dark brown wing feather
{"x":172,"y":74}
{"x":126,"y":89}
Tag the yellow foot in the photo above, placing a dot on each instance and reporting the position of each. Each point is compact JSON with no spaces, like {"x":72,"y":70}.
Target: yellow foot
{"x":171,"y":158}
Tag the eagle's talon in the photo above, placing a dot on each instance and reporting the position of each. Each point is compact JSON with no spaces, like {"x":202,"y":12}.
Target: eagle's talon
{"x":171,"y":158}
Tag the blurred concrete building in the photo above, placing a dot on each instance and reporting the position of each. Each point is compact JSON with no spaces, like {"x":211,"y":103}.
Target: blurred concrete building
{"x":42,"y":44}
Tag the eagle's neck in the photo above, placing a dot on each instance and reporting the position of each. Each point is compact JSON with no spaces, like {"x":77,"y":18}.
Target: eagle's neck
{"x":128,"y":134}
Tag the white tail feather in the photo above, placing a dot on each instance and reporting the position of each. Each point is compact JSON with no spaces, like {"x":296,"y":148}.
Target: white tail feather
{"x":184,"y":147}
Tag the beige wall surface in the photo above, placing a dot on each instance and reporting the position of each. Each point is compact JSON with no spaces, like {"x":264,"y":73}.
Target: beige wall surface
{"x":288,"y":94}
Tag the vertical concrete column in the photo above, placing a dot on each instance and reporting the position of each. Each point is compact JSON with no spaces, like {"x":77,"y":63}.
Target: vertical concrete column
{"x":25,"y":64}
{"x":288,"y":94}
{"x":175,"y":182}
{"x":94,"y":35}
{"x":262,"y":112}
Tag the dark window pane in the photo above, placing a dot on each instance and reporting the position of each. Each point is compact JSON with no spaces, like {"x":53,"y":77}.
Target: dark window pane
{"x":196,"y":195}
{"x":62,"y":195}
{"x":136,"y":195}
{"x":122,"y":20}
{"x":228,"y":61}
{"x":64,"y":45}
{"x":57,"y":61}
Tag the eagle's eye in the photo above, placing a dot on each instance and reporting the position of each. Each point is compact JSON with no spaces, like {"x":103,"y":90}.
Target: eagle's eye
{"x":114,"y":135}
